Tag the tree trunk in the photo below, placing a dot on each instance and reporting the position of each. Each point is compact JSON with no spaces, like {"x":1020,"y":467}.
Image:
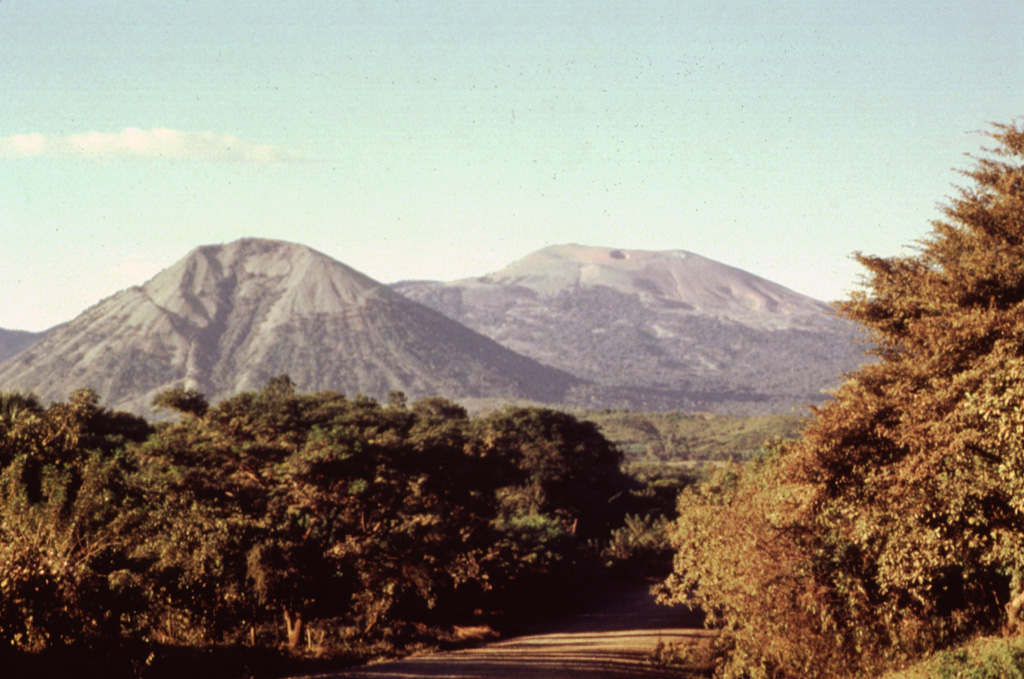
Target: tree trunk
{"x":1012,"y":613}
{"x":294,"y":629}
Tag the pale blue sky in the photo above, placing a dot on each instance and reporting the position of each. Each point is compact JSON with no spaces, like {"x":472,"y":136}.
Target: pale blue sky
{"x":447,"y":139}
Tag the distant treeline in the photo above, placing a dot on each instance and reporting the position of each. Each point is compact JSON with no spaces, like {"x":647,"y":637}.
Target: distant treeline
{"x":313,"y":522}
{"x":676,"y":436}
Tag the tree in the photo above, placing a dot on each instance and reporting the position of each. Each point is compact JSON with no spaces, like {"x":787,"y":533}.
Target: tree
{"x":276,"y":505}
{"x":214,"y":536}
{"x":67,"y":517}
{"x":895,"y":524}
{"x":182,"y":400}
{"x":558,"y":489}
{"x":548,"y":462}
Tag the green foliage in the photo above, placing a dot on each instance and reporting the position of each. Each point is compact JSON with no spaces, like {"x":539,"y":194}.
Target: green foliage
{"x":658,"y":484}
{"x":188,"y":401}
{"x":984,"y":658}
{"x":65,"y":520}
{"x":641,"y":544}
{"x":288,"y":520}
{"x":893,"y":526}
{"x":1001,"y":662}
{"x":549,"y":462}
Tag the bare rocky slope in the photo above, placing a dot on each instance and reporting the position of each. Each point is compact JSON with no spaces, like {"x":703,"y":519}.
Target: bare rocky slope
{"x":656,"y":329}
{"x":226,"y":318}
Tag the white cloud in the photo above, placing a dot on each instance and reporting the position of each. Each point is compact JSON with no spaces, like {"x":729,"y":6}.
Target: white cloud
{"x":156,"y":143}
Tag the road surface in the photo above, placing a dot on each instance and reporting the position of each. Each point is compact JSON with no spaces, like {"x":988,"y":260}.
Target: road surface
{"x":614,"y":640}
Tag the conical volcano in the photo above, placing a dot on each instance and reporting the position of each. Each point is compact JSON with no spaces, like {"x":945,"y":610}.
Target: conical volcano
{"x":228,"y":317}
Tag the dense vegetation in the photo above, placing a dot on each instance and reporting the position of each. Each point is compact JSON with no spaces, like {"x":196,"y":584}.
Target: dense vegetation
{"x":894,"y":527}
{"x":310,"y":522}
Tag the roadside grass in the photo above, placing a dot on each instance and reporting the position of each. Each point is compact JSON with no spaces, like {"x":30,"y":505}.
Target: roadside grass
{"x":982,"y":658}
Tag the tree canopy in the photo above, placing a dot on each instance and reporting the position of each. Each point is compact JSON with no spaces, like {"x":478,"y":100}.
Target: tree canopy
{"x":274,"y":518}
{"x":895,"y":524}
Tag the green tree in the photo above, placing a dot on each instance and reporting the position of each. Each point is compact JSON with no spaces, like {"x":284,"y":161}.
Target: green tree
{"x":548,"y":462}
{"x":558,"y":491}
{"x":67,"y":516}
{"x":300,"y":507}
{"x":271,"y":511}
{"x":182,"y":400}
{"x":214,"y":541}
{"x":894,"y":525}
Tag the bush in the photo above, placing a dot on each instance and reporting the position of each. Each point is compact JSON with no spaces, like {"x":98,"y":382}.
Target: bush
{"x":984,"y":658}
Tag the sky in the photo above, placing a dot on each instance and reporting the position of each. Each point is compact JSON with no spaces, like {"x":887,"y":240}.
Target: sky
{"x":442,"y":140}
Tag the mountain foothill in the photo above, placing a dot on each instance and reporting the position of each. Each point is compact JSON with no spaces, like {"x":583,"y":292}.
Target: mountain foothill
{"x":568,"y":325}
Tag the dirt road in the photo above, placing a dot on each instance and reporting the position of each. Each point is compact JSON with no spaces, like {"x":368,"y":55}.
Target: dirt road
{"x":612,"y":641}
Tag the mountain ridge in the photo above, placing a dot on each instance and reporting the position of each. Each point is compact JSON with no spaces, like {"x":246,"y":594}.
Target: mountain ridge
{"x":570,"y":325}
{"x":14,"y":341}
